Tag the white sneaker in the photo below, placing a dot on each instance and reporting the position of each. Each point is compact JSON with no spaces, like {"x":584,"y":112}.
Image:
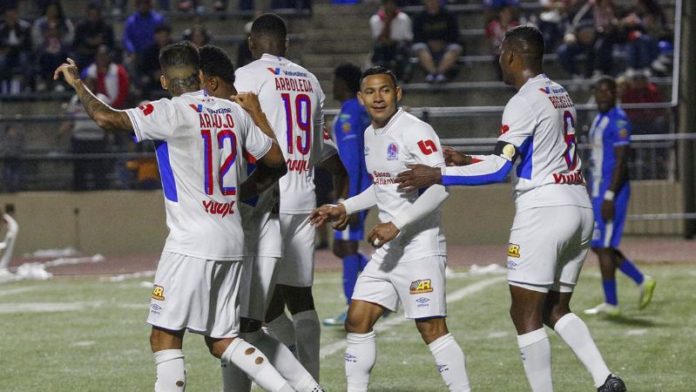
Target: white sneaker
{"x":604,"y":309}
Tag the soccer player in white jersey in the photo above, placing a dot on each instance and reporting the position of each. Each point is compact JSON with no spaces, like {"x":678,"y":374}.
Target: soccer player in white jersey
{"x":198,"y":276}
{"x":409,"y":264}
{"x":8,"y":243}
{"x":257,"y":281}
{"x":292,"y":99}
{"x":552,"y":229}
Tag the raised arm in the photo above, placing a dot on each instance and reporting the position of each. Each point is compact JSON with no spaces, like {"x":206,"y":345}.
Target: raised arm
{"x":104,"y":115}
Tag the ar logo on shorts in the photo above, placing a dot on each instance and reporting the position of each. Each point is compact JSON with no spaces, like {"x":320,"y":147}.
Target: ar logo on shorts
{"x":421,"y":286}
{"x":158,"y":293}
{"x":513,"y":250}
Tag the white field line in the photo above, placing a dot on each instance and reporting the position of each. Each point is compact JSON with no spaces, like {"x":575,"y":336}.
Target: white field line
{"x":398,"y":319}
{"x":49,"y":307}
{"x":18,"y":290}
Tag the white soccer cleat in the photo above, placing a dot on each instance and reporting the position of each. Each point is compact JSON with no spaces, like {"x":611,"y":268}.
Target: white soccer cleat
{"x":604,"y":309}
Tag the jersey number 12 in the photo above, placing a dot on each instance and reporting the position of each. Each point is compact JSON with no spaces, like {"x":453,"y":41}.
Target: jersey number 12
{"x":224,"y":135}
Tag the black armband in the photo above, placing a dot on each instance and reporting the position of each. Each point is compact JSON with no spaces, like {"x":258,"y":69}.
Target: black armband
{"x":506,"y":150}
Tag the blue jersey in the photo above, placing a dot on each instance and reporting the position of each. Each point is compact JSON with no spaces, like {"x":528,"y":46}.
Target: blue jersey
{"x":609,"y":130}
{"x":349,"y":134}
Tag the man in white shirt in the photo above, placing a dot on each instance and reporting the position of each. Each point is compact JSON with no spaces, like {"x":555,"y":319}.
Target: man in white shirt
{"x":409,"y":264}
{"x":292,"y":99}
{"x":198,"y":140}
{"x":258,"y":275}
{"x":392,"y":34}
{"x":552,"y":230}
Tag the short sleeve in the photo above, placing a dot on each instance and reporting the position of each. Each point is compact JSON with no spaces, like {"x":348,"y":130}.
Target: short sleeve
{"x":622,"y":131}
{"x":255,"y":141}
{"x":244,"y":81}
{"x":423,"y":145}
{"x":519,"y":122}
{"x":156,"y":120}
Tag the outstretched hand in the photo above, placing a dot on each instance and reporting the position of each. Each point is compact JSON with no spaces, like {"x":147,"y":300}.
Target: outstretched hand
{"x":417,"y":177}
{"x":69,"y":71}
{"x":332,"y":213}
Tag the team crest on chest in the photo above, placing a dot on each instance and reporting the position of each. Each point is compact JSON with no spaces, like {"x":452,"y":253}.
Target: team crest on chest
{"x":392,"y":152}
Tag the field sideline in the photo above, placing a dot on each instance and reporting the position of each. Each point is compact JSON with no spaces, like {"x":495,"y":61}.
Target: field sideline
{"x":88,"y":334}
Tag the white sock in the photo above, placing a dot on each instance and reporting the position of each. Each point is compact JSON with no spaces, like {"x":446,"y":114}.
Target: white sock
{"x":282,"y":330}
{"x":450,"y":362}
{"x":361,"y":354}
{"x":171,"y":372}
{"x":307,"y":333}
{"x":536,"y":358}
{"x":577,"y":336}
{"x":252,"y":362}
{"x":284,"y":361}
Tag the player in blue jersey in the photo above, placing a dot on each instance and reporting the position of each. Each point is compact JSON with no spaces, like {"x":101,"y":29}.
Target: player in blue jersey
{"x":610,"y":136}
{"x":349,"y":134}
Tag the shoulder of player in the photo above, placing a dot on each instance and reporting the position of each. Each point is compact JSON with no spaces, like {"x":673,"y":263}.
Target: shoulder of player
{"x":410,"y":126}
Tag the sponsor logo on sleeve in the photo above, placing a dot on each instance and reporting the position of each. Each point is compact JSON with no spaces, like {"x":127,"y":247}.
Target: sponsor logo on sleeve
{"x":504,"y":128}
{"x":427,"y":147}
{"x":421,"y":286}
{"x":158,"y":293}
{"x":147,"y":108}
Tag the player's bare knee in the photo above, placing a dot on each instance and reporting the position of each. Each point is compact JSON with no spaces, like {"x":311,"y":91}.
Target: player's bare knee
{"x":217,"y":347}
{"x":432,"y":329}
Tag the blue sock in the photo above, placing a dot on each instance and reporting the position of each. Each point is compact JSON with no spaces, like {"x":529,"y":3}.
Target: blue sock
{"x":630,"y":270}
{"x":351,"y":268}
{"x":610,"y":296}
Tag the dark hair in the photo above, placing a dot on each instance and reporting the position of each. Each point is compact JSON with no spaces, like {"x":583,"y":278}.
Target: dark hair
{"x":180,"y":54}
{"x":215,"y":62}
{"x":270,"y":25}
{"x":526,"y":40}
{"x":606,"y":80}
{"x":378,"y":70}
{"x":351,"y":74}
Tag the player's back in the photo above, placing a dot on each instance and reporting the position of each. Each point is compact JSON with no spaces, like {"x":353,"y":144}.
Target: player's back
{"x":548,"y":171}
{"x":198,"y":139}
{"x":292,"y":99}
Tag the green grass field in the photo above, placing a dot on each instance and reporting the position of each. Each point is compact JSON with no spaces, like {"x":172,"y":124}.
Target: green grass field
{"x":89,"y":334}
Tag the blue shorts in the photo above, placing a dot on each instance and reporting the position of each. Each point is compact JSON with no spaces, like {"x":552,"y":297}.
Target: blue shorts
{"x":608,"y":234}
{"x":353,"y":232}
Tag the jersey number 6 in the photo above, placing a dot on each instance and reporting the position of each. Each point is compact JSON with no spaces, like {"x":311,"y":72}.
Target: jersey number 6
{"x":222,"y":136}
{"x":303,"y":118}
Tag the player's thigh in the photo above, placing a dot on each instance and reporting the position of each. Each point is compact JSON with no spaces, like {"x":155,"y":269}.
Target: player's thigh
{"x":258,"y":280}
{"x":374,"y":286}
{"x":537,"y":239}
{"x":421,"y":287}
{"x":573,"y":255}
{"x":196,"y":294}
{"x":297,"y":264}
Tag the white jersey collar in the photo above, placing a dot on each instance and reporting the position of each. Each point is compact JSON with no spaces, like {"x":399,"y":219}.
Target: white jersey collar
{"x":270,"y":57}
{"x":392,"y":120}
{"x":537,"y":79}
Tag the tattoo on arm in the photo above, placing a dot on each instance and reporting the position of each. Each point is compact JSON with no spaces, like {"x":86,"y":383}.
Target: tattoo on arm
{"x":104,"y":115}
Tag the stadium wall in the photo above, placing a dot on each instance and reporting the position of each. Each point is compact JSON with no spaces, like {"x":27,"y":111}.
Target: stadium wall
{"x":123,"y":222}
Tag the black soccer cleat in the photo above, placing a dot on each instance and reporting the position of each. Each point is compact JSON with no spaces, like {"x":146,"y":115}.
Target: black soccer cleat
{"x":612,"y":384}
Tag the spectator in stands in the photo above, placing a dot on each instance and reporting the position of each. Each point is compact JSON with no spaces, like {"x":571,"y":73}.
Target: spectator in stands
{"x":12,"y":146}
{"x":198,"y":35}
{"x":111,"y":79}
{"x":392,"y":34}
{"x":592,"y":33}
{"x":640,"y":89}
{"x":139,"y":30}
{"x":552,"y":20}
{"x":52,"y":36}
{"x":15,"y":52}
{"x":505,"y":20}
{"x":644,"y":24}
{"x":436,"y":41}
{"x":148,"y":62}
{"x":86,"y":138}
{"x":90,"y":33}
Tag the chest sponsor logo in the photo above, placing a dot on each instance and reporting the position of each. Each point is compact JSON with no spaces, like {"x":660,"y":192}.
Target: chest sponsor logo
{"x":427,"y":147}
{"x":421,"y":286}
{"x":382,"y":178}
{"x":513,"y":250}
{"x":158,"y":293}
{"x":216,"y":208}
{"x":392,"y":152}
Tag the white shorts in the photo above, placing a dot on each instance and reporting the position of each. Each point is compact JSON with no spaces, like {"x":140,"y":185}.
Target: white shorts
{"x":297,"y":264}
{"x":258,"y":281}
{"x":196,"y":294}
{"x":419,"y":284}
{"x":548,"y":246}
{"x":262,"y":234}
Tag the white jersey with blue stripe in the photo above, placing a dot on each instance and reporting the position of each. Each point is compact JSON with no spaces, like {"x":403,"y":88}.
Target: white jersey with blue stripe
{"x":293,"y":102}
{"x":199,"y":141}
{"x":537,"y":144}
{"x":609,"y":130}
